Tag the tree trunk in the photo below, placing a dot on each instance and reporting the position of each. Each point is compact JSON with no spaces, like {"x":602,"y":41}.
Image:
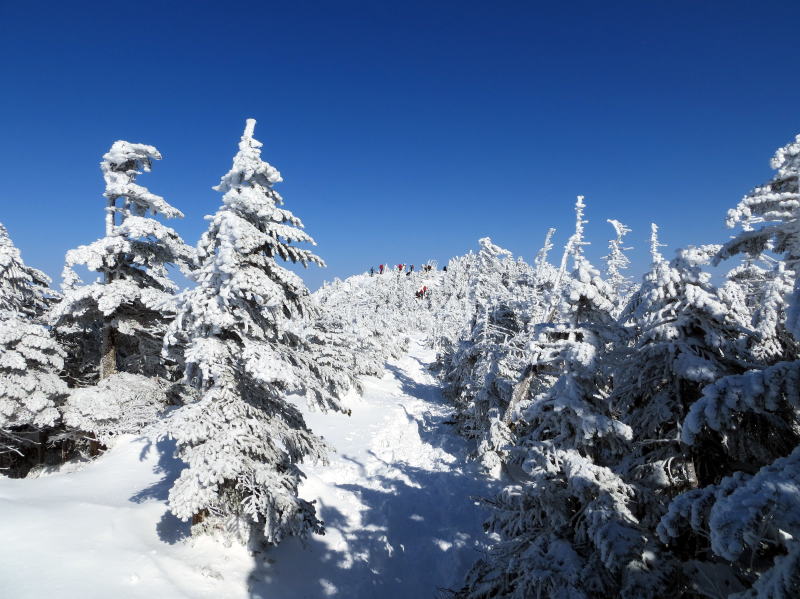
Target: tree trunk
{"x":94,"y":445}
{"x":108,"y":352}
{"x":519,"y":393}
{"x":108,"y":348}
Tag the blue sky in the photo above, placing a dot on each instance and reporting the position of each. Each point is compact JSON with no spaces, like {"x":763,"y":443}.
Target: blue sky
{"x":404,"y":131}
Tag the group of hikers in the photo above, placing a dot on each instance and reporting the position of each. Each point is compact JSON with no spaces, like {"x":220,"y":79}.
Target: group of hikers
{"x":408,"y":269}
{"x":423,"y":291}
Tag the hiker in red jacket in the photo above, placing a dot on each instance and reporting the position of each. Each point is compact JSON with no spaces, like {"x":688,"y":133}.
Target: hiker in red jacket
{"x":380,"y":269}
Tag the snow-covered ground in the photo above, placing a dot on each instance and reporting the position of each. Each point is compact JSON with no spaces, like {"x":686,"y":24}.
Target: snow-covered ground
{"x":396,"y":499}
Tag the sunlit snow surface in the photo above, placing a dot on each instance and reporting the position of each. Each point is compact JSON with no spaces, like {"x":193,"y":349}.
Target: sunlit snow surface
{"x":397,"y":501}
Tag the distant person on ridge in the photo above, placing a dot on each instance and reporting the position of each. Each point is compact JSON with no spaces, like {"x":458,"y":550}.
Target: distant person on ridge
{"x":371,"y":271}
{"x":380,"y":268}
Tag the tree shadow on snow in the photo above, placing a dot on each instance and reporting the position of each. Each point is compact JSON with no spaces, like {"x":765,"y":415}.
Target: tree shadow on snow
{"x":420,"y":532}
{"x":426,"y":391}
{"x":170,"y":528}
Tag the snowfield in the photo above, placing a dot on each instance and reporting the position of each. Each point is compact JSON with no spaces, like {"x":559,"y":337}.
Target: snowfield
{"x":396,"y":498}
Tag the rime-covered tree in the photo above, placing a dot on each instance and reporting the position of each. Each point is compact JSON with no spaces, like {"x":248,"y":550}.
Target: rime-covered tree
{"x":565,"y":524}
{"x":617,"y":262}
{"x":30,"y":387}
{"x":30,"y":360}
{"x":119,"y":321}
{"x":479,"y":381}
{"x":770,"y":220}
{"x":241,"y":334}
{"x":23,"y":290}
{"x":453,"y":304}
{"x":482,"y":361}
{"x":744,"y":516}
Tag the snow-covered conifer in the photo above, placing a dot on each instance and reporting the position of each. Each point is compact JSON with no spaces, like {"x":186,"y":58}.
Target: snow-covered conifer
{"x":119,"y":321}
{"x":23,"y":290}
{"x":479,"y":381}
{"x":566,"y":523}
{"x":30,"y":388}
{"x":744,"y":427}
{"x":616,"y":262}
{"x":30,"y":359}
{"x":120,"y":404}
{"x":655,"y":253}
{"x":241,"y":334}
{"x":686,"y":339}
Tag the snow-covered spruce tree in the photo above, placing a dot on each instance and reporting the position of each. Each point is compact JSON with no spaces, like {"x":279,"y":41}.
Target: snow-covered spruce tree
{"x":30,"y":361}
{"x":30,"y":387}
{"x":479,"y":382}
{"x":452,"y":305}
{"x":241,"y":336}
{"x":23,"y":290}
{"x":119,"y":322}
{"x":617,"y":262}
{"x":480,"y":370}
{"x":379,"y":313}
{"x":685,"y":336}
{"x":120,"y":404}
{"x":745,"y":517}
{"x":761,"y":287}
{"x":473,"y":283}
{"x":335,"y":350}
{"x":491,"y":279}
{"x":566,"y":524}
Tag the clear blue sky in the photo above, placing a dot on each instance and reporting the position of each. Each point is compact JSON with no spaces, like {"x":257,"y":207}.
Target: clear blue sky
{"x":404,"y":130}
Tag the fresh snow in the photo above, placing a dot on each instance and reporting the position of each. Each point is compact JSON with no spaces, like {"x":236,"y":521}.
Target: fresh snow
{"x":397,"y":500}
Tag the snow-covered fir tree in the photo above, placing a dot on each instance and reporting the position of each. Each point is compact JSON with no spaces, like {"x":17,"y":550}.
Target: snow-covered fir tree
{"x":565,"y":522}
{"x":30,"y":359}
{"x":478,"y":379}
{"x":241,"y":335}
{"x":30,"y":387}
{"x":743,"y":516}
{"x":118,"y":322}
{"x":23,"y":290}
{"x":481,"y":363}
{"x":617,"y":262}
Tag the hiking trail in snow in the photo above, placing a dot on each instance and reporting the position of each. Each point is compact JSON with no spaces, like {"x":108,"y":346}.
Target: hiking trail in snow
{"x":397,"y":499}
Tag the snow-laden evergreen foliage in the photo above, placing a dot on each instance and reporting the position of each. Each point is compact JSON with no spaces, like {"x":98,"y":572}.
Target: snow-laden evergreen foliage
{"x":23,"y":290}
{"x":646,"y":437}
{"x":118,"y":322}
{"x":565,"y":522}
{"x":375,"y":313}
{"x":617,"y":262}
{"x":30,"y":388}
{"x":770,"y":220}
{"x":685,"y":337}
{"x":482,"y":361}
{"x":30,"y":359}
{"x":744,"y":429}
{"x":120,"y":404}
{"x":242,"y":336}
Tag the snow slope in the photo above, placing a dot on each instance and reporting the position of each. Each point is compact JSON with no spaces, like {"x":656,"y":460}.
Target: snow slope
{"x":396,"y":499}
